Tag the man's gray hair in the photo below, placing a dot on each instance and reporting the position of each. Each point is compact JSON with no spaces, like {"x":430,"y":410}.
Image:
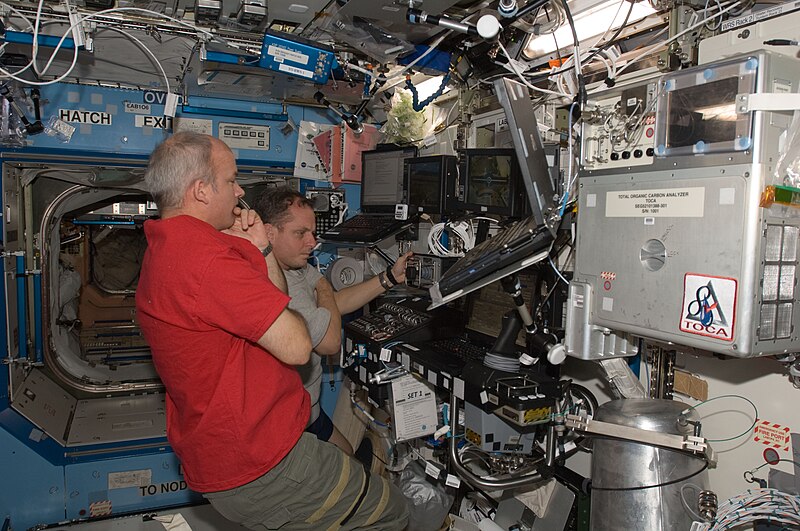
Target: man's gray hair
{"x":176,"y":163}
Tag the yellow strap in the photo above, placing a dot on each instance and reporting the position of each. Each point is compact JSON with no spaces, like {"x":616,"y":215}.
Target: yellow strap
{"x":336,"y":493}
{"x":338,"y":523}
{"x":381,"y":503}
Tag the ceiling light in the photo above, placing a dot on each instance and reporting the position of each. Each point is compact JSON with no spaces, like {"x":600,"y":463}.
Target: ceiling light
{"x":251,"y":13}
{"x":589,"y":23}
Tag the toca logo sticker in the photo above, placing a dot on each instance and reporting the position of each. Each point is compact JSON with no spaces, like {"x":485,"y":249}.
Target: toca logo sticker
{"x":709,"y":306}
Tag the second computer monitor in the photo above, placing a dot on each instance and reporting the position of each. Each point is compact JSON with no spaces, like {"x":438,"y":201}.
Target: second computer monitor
{"x":492,"y":183}
{"x":430,"y":184}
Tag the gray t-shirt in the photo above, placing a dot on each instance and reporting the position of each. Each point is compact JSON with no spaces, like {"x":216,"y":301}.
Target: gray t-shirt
{"x":301,"y":284}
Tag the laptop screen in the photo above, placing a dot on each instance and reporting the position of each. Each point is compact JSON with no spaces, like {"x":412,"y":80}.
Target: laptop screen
{"x":382,"y":179}
{"x":515,"y":100}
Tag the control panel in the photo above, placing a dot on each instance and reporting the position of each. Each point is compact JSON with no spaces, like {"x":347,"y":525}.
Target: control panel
{"x":329,"y":205}
{"x":388,"y":322}
{"x":368,"y":339}
{"x":619,"y":128}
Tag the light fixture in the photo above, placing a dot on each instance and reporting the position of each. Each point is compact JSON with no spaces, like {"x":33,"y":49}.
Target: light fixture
{"x":207,"y":11}
{"x":588,"y":23}
{"x":251,"y":12}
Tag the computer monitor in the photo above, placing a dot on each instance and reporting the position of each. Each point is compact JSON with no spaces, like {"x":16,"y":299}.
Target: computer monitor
{"x":492,"y":183}
{"x":382,"y":178}
{"x":516,"y":101}
{"x":430,"y":184}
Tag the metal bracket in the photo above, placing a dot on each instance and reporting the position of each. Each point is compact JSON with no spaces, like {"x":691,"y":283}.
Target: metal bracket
{"x":767,"y":101}
{"x":684,"y":443}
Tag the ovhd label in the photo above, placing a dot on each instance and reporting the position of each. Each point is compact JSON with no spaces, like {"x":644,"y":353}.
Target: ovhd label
{"x":84,"y":117}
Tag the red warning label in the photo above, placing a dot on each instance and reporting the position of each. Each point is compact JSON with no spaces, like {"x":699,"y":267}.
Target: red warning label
{"x":771,"y":434}
{"x":100,"y":508}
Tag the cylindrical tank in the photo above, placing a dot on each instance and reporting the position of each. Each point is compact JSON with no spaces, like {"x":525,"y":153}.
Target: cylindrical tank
{"x":619,"y":465}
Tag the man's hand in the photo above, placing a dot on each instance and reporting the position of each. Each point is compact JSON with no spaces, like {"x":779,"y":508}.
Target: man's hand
{"x":399,"y":267}
{"x":250,"y":227}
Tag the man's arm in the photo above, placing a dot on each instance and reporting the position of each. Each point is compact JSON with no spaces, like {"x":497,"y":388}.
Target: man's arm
{"x":331,"y":343}
{"x":275,"y":273}
{"x":287,"y":338}
{"x":352,"y":298}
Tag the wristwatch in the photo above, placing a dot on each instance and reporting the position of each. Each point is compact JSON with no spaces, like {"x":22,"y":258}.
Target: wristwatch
{"x":384,"y":281}
{"x":267,"y":250}
{"x":390,"y":276}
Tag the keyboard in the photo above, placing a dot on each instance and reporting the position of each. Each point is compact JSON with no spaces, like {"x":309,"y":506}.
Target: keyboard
{"x":517,"y":242}
{"x":366,"y":228}
{"x":461,"y":348}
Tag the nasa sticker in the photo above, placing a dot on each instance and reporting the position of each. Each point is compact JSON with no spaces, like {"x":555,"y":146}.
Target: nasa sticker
{"x":709,"y":306}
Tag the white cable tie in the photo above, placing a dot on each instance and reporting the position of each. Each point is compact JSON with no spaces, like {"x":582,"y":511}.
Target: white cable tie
{"x":77,"y":28}
{"x":171,"y":105}
{"x":441,"y":431}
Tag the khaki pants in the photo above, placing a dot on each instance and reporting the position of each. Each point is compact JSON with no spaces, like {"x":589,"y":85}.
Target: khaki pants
{"x":315,"y":487}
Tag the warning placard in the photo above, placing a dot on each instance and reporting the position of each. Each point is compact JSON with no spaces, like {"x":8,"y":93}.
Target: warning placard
{"x":673,"y":203}
{"x":772,"y":434}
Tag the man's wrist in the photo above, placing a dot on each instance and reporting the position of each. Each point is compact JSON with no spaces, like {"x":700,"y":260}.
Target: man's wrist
{"x":387,"y":285}
{"x":390,"y":276}
{"x":267,"y":250}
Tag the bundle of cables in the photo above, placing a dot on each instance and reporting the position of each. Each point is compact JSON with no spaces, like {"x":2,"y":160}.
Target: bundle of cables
{"x":462,"y":230}
{"x":763,"y":505}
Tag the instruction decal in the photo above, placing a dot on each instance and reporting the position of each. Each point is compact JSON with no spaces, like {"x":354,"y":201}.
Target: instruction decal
{"x":666,"y":203}
{"x":709,"y":306}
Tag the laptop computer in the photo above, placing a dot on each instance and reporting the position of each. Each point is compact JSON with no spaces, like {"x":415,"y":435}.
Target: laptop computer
{"x":381,"y":191}
{"x":515,"y":99}
{"x":518,"y":246}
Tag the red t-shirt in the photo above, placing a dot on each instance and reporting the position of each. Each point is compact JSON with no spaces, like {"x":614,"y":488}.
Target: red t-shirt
{"x":203,"y":301}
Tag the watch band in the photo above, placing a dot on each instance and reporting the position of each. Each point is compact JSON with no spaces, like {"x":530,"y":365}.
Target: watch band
{"x":384,"y":281}
{"x":390,"y":276}
{"x":267,"y":250}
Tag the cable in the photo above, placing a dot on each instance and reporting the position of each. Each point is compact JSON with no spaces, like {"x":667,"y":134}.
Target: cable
{"x":768,"y":505}
{"x":755,"y":418}
{"x":686,"y":506}
{"x":370,"y":417}
{"x":18,"y":13}
{"x":97,"y":14}
{"x":759,"y":467}
{"x":464,"y":231}
{"x":661,"y":44}
{"x":576,"y":54}
{"x":147,"y":50}
{"x":553,"y":265}
{"x":657,"y":485}
{"x":519,"y":74}
{"x":571,"y":158}
{"x":43,"y":83}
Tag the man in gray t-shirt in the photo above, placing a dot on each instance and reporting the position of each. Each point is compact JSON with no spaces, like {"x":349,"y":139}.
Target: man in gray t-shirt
{"x":289,"y":218}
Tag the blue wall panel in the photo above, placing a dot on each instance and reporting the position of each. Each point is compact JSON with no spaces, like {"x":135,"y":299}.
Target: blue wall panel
{"x":115,"y":130}
{"x":126,"y":485}
{"x":38,"y":485}
{"x":31,"y":489}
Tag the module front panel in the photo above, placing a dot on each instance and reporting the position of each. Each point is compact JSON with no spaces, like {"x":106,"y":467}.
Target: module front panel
{"x":678,"y":247}
{"x":671,"y":259}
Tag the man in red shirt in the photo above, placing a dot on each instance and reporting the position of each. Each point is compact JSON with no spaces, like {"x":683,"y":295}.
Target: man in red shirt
{"x":211,"y":302}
